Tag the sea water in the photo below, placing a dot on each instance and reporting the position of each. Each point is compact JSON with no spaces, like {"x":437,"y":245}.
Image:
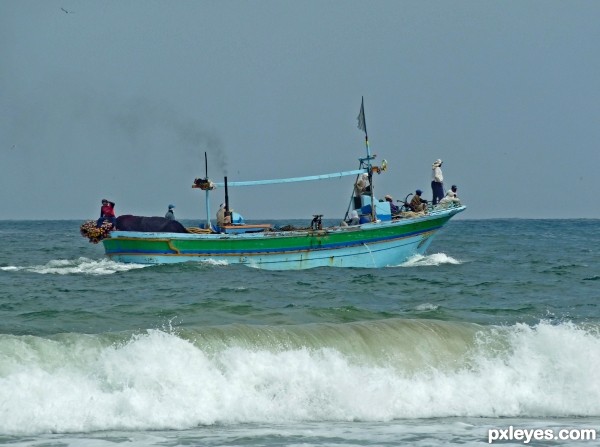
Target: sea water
{"x":497,"y":326}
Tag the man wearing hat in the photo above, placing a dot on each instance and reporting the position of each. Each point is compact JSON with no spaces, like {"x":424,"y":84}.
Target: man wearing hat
{"x":417,"y":203}
{"x":394,"y":209}
{"x":170,"y":214}
{"x":451,"y":197}
{"x":437,"y":181}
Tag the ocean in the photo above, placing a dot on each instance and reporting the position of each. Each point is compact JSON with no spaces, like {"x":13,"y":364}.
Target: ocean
{"x":498,"y":326}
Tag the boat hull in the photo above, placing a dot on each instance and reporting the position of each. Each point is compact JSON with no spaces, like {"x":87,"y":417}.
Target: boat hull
{"x":377,"y":244}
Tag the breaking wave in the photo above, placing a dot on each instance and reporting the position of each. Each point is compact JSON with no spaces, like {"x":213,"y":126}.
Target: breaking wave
{"x":369,"y":371}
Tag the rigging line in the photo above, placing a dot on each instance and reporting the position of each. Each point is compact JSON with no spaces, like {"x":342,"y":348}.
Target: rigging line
{"x":293,"y":179}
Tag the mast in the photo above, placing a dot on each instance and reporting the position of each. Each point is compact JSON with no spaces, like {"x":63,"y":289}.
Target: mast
{"x":207,"y":201}
{"x":205,"y":185}
{"x":362,"y":125}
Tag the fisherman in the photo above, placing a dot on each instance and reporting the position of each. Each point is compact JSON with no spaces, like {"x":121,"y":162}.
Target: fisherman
{"x":170,"y":214}
{"x":107,"y":212}
{"x":453,"y":192}
{"x":451,"y":197}
{"x":418,"y":204}
{"x":394,"y":209}
{"x":223,"y":218}
{"x":362,"y":184}
{"x":353,"y":219}
{"x":437,"y":181}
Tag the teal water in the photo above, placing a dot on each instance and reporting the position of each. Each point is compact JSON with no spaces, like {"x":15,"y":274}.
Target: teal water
{"x":497,"y":325}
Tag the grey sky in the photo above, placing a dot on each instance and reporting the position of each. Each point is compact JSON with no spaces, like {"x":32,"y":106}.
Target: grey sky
{"x":120,"y":99}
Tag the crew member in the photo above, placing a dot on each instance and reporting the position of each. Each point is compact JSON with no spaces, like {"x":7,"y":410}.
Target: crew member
{"x":107,"y":212}
{"x":394,"y":209}
{"x":437,"y":181}
{"x":417,"y":203}
{"x":170,"y":214}
{"x":223,"y":218}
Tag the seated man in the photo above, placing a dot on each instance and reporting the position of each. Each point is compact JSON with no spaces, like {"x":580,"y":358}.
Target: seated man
{"x":107,"y":212}
{"x":395,"y":209}
{"x":417,"y":204}
{"x":223,"y":218}
{"x":353,"y":219}
{"x":451,"y":197}
{"x":170,"y":213}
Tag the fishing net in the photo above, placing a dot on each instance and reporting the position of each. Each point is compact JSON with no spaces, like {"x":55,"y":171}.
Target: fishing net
{"x":95,"y":234}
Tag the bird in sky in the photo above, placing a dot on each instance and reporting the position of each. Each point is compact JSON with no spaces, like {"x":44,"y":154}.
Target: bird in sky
{"x":65,"y":11}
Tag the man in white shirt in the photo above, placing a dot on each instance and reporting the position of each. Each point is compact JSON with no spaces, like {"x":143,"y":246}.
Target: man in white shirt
{"x":437,"y":181}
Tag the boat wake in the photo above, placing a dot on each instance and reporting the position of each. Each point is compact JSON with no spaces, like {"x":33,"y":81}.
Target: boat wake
{"x":76,"y":266}
{"x":214,"y":262}
{"x":426,"y":307}
{"x":430,"y":260}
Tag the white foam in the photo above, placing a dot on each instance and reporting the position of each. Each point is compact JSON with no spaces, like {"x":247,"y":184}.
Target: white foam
{"x":158,"y":380}
{"x":429,"y":260}
{"x":77,"y":266}
{"x":427,"y":307}
{"x":211,"y":261}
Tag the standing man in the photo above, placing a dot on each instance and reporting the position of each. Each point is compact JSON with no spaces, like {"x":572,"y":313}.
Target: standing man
{"x":437,"y":181}
{"x":170,"y":214}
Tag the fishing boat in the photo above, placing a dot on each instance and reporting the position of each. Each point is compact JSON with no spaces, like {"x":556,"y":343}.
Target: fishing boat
{"x":376,"y":237}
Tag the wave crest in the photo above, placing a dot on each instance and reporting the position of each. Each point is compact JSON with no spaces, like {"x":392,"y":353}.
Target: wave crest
{"x":375,"y":371}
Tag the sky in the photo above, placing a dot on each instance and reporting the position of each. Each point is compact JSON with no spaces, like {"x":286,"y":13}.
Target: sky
{"x":122,"y":99}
